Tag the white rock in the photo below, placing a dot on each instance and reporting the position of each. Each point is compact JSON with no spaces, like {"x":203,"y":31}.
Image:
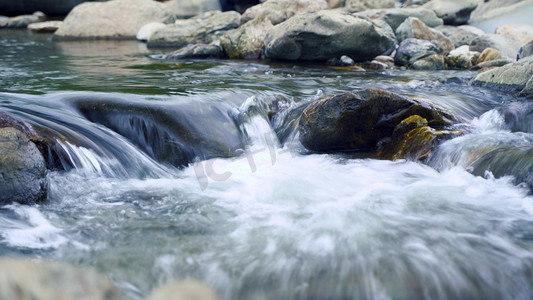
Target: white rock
{"x":147,"y":30}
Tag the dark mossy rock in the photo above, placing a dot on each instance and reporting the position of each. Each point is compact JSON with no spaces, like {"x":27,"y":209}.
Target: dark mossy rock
{"x":22,"y":169}
{"x":360,"y":120}
{"x":175,"y":133}
{"x":412,"y":139}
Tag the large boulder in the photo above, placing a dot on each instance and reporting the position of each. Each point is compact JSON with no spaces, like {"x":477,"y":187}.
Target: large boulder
{"x":22,"y":169}
{"x":25,"y":279}
{"x":521,"y":32}
{"x":278,"y":11}
{"x":460,"y":35}
{"x":361,"y":120}
{"x":420,"y":55}
{"x":516,"y":77}
{"x":117,"y":19}
{"x":414,"y":28}
{"x":183,"y":9}
{"x":453,"y":12}
{"x":49,"y":7}
{"x":202,"y":29}
{"x":328,"y":34}
{"x":396,"y":16}
{"x":22,"y":21}
{"x":362,"y":5}
{"x":507,"y":45}
{"x":246,"y":41}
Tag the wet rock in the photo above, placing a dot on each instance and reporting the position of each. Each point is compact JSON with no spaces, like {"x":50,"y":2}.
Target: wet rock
{"x":453,"y":12}
{"x":168,"y":132}
{"x":202,"y":29}
{"x":341,"y":62}
{"x":419,"y":55}
{"x":459,"y":35}
{"x":507,"y":161}
{"x":525,"y":51}
{"x":184,"y":290}
{"x":413,"y":139}
{"x":516,"y":77}
{"x":506,"y":45}
{"x":461,"y":58}
{"x":327,"y":34}
{"x":148,"y":30}
{"x":184,"y":9}
{"x":22,"y":169}
{"x":278,"y":11}
{"x":396,"y":16}
{"x":118,"y":19}
{"x":491,"y":64}
{"x":362,"y":5}
{"x":360,"y":120}
{"x":246,"y":41}
{"x":25,"y":279}
{"x":22,"y":21}
{"x":521,"y":32}
{"x":414,"y":28}
{"x":213,"y":50}
{"x":45,"y":27}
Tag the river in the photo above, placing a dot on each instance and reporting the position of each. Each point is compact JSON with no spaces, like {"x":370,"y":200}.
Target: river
{"x":269,"y":221}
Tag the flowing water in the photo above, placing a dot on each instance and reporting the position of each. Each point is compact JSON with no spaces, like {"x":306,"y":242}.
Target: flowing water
{"x":255,"y":215}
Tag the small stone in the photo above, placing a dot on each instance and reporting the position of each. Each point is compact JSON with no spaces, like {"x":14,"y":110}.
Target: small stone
{"x":45,"y":27}
{"x":147,"y":30}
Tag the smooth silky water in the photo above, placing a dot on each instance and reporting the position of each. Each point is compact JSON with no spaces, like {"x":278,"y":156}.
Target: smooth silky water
{"x":271,"y":222}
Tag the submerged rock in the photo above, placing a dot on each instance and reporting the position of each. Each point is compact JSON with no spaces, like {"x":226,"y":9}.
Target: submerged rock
{"x":213,"y":50}
{"x":453,"y":12}
{"x":516,"y":77}
{"x":507,"y":45}
{"x":419,"y":55}
{"x":278,"y":11}
{"x":246,"y":41}
{"x":118,"y":19}
{"x":202,"y":29}
{"x":22,"y":21}
{"x":45,"y":27}
{"x":25,"y":279}
{"x":184,"y":290}
{"x":414,"y":28}
{"x":168,"y":132}
{"x":361,"y":120}
{"x":22,"y":169}
{"x":396,"y":16}
{"x":327,"y":34}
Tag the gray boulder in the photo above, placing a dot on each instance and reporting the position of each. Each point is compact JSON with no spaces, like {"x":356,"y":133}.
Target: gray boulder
{"x":246,"y":41}
{"x":117,"y":19}
{"x":506,"y":45}
{"x":202,"y":29}
{"x":22,"y":21}
{"x":183,"y":9}
{"x":49,"y":7}
{"x":278,"y":11}
{"x":213,"y":50}
{"x":490,"y":14}
{"x":22,"y":169}
{"x":328,"y":34}
{"x":396,"y":16}
{"x":414,"y":28}
{"x":459,"y":35}
{"x":525,"y":51}
{"x":516,"y":77}
{"x":453,"y":12}
{"x":25,"y":279}
{"x":419,"y":55}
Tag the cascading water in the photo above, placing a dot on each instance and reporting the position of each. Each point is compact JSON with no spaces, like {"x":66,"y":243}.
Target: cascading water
{"x":254,"y":215}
